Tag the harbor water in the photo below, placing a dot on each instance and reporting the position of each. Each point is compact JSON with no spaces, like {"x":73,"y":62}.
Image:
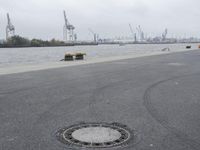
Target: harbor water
{"x":18,"y":56}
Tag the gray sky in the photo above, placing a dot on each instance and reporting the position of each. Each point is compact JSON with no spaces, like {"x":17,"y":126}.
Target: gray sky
{"x":44,"y":18}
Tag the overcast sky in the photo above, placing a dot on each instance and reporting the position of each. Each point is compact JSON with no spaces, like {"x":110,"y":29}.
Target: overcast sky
{"x":44,"y":18}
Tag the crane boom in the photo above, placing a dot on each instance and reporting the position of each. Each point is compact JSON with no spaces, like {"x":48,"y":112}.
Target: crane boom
{"x":8,"y":18}
{"x":134,"y":34}
{"x":68,"y":30}
{"x":131,"y":29}
{"x":94,"y":34}
{"x":65,"y":18}
{"x":10,"y":29}
{"x":164,"y":34}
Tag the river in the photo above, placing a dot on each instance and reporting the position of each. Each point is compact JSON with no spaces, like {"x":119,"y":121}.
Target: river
{"x":16,"y":56}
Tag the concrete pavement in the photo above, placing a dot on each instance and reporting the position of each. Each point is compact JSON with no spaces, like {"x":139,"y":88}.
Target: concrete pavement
{"x":157,"y":96}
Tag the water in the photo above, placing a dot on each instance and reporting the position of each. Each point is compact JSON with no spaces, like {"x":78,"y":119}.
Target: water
{"x":16,"y":56}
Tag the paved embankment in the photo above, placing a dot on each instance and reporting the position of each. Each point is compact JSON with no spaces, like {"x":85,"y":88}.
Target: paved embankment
{"x":158,"y":96}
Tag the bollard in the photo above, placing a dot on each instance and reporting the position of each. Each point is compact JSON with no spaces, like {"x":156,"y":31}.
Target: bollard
{"x":79,"y":56}
{"x":188,"y":47}
{"x":69,"y":57}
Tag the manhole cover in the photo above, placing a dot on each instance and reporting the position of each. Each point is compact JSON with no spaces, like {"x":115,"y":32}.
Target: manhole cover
{"x":95,"y":135}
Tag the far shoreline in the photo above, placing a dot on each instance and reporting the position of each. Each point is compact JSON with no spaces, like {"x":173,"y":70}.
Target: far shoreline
{"x":96,"y":44}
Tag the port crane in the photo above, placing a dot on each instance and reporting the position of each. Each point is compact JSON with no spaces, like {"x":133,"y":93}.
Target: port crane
{"x":164,"y":34}
{"x":10,"y":29}
{"x":68,"y":30}
{"x":134,"y":34}
{"x":95,"y":35}
{"x":140,"y":33}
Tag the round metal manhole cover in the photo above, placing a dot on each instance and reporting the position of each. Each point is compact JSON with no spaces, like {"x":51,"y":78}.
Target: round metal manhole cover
{"x":95,"y":135}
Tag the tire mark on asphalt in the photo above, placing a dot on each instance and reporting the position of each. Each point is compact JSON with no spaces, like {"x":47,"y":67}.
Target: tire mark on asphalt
{"x":95,"y":100}
{"x":45,"y":115}
{"x":184,"y":138}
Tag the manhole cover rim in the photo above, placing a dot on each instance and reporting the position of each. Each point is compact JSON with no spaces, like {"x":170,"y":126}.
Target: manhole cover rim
{"x":126,"y":134}
{"x":69,"y":129}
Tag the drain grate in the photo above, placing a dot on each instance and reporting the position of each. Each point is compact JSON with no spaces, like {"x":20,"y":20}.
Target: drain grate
{"x":95,"y":135}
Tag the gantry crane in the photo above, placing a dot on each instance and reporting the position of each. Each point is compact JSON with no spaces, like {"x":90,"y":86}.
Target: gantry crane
{"x":134,"y":34}
{"x":68,"y":30}
{"x":164,"y":34}
{"x":95,"y":35}
{"x":140,"y":33}
{"x":10,"y":29}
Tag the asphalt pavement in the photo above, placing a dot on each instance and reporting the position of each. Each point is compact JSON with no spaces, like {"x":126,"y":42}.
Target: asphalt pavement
{"x":158,"y":97}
